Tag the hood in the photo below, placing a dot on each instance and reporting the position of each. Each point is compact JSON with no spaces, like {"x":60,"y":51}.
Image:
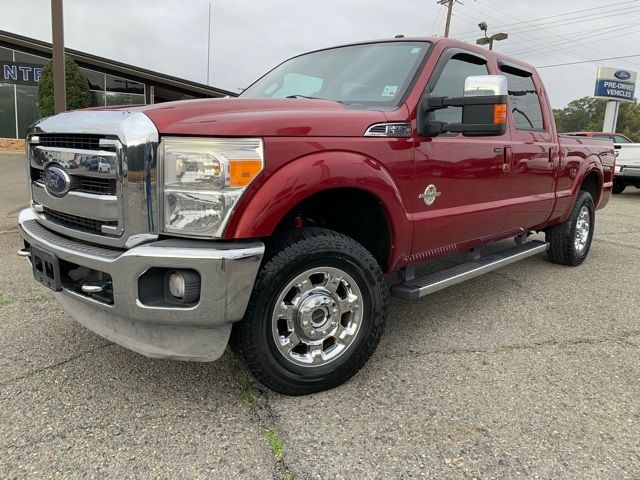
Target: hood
{"x":260,"y":117}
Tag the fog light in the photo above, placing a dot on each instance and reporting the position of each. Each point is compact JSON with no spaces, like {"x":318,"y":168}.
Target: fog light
{"x":177,"y":285}
{"x":183,"y":285}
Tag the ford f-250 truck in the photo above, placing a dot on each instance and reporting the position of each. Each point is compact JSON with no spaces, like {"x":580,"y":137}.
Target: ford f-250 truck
{"x":272,"y":219}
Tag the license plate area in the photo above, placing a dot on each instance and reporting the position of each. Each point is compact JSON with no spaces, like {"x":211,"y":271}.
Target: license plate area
{"x":46,"y":269}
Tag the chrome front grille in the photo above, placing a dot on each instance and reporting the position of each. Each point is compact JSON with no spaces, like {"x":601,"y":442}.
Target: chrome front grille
{"x":79,"y":183}
{"x":75,"y":142}
{"x":77,"y":223}
{"x":93,"y":176}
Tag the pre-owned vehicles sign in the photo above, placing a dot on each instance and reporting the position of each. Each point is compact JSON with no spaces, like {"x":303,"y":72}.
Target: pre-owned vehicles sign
{"x":615,"y":84}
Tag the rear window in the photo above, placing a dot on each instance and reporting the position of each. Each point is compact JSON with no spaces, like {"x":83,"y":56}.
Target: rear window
{"x":525,"y":102}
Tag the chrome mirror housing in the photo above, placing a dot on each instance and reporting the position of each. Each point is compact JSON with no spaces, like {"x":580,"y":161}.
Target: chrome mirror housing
{"x":485,"y":85}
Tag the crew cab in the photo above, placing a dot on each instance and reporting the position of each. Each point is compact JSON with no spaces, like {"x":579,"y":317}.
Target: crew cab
{"x":627,"y":171}
{"x":271,"y":220}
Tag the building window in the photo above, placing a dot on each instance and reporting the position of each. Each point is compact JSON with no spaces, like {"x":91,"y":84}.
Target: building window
{"x":28,"y":112}
{"x":119,"y":98}
{"x":7,"y":111}
{"x":96,"y":80}
{"x":6,"y":54}
{"x":26,"y":58}
{"x":122,"y":85}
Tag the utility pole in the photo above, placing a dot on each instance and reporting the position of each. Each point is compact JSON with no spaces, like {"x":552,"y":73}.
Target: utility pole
{"x":57,"y":35}
{"x":449,"y":5}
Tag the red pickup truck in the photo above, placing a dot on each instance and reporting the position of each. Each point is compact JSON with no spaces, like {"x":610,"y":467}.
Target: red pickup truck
{"x":272,"y":219}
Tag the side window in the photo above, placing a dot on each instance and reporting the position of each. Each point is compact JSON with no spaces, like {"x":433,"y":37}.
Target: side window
{"x":620,"y":139}
{"x":451,"y":84}
{"x":525,"y":103}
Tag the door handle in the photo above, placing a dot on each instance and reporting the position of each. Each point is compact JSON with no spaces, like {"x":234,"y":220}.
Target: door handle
{"x":507,"y":158}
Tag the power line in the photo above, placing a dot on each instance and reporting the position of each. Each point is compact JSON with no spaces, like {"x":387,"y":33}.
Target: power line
{"x":632,"y":27}
{"x":520,"y":22}
{"x":589,"y":61}
{"x":570,"y":21}
{"x":606,"y":34}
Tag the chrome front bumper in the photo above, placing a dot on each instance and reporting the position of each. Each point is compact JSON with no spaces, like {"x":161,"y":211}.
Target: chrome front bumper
{"x":201,"y":332}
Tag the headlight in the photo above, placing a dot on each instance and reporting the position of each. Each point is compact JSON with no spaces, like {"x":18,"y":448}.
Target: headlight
{"x":203,"y":179}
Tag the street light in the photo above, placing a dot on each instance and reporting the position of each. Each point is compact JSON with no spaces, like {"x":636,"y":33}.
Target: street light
{"x":489,"y":40}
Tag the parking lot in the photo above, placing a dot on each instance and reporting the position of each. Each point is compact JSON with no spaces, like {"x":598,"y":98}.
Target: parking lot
{"x":531,"y":371}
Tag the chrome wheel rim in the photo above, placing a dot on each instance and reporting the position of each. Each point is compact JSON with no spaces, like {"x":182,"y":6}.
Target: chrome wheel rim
{"x":583,"y":227}
{"x":317,"y":316}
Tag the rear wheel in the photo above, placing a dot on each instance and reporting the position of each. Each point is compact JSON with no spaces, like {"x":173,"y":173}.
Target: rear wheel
{"x":316,"y":314}
{"x":618,"y":187}
{"x":570,"y":242}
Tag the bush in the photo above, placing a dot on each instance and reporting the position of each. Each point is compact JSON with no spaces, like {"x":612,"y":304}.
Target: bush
{"x":77,"y":88}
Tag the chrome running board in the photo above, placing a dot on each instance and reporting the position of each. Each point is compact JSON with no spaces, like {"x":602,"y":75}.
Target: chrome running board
{"x":421,"y":286}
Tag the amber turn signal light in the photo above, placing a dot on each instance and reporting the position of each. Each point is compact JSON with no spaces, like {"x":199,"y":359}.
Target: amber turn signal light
{"x":500,"y":113}
{"x":241,"y":172}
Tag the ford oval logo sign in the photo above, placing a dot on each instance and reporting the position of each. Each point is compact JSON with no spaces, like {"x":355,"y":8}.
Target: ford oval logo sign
{"x":56,"y":181}
{"x":622,"y":75}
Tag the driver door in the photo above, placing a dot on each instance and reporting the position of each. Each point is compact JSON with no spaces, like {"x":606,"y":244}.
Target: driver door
{"x":460,"y":184}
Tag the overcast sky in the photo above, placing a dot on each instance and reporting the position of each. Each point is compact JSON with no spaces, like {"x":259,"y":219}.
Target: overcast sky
{"x":251,"y":36}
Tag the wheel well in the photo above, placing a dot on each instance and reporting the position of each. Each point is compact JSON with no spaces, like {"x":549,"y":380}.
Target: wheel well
{"x":352,"y":212}
{"x":591,"y":184}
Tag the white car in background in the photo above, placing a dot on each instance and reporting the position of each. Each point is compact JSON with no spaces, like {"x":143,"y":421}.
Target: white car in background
{"x":627,"y":162}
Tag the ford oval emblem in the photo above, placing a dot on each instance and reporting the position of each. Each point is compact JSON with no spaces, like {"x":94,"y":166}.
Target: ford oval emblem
{"x":622,"y":75}
{"x":56,"y":181}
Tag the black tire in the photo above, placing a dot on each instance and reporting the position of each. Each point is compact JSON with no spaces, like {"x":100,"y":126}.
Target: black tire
{"x":289,"y":255}
{"x":562,"y":237}
{"x":618,"y":187}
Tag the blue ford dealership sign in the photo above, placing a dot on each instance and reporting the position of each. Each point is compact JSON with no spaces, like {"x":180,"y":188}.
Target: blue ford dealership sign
{"x":615,"y":84}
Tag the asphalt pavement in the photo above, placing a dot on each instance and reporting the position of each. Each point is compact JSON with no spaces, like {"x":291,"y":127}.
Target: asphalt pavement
{"x":529,"y":372}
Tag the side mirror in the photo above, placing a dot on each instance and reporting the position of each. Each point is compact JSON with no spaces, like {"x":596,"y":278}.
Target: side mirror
{"x":484,"y":108}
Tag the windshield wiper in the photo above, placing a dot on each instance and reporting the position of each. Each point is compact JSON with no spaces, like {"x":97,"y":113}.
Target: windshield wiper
{"x":305,"y":96}
{"x":313,"y":98}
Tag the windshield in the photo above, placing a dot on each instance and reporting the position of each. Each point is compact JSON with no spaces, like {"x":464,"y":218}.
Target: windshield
{"x":372,"y":75}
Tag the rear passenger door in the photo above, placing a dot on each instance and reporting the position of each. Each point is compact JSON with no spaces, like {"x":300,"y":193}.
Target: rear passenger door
{"x":534,"y":150}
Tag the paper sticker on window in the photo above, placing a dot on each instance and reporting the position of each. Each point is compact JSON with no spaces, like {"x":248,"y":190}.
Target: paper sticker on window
{"x":416,"y":50}
{"x":390,"y":91}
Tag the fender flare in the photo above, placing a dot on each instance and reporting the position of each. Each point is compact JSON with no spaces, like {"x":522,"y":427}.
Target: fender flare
{"x":267,"y":202}
{"x":588,"y":167}
{"x":565,"y":202}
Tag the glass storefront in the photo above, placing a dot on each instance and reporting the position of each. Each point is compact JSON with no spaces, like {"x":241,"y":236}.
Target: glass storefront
{"x":109,"y":90}
{"x":7,"y":111}
{"x":19,"y":103}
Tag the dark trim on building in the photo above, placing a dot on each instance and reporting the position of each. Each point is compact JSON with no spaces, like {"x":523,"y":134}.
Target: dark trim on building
{"x":112,"y":67}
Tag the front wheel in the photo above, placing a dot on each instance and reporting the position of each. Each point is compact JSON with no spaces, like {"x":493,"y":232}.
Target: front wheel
{"x":569,"y":242}
{"x":316,"y":314}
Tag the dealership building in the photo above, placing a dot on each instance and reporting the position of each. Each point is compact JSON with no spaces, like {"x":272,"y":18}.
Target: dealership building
{"x":110,"y":82}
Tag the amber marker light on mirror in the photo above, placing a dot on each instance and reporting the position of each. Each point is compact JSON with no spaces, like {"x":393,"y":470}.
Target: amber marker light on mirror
{"x":500,"y":113}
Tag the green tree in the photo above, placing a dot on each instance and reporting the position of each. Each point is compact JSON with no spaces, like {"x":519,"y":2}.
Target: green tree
{"x":587,"y":114}
{"x":580,"y":115}
{"x":629,"y":121}
{"x":77,"y":88}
